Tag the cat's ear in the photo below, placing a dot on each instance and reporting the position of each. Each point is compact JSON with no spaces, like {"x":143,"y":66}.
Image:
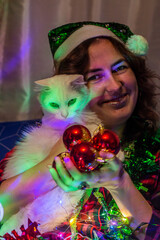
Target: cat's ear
{"x":79,"y":85}
{"x":44,"y":82}
{"x":79,"y":80}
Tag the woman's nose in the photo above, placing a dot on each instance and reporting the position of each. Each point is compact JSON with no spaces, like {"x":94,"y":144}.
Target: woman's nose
{"x":112,"y":83}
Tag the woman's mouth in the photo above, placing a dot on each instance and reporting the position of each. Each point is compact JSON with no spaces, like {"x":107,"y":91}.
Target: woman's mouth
{"x":116,"y":102}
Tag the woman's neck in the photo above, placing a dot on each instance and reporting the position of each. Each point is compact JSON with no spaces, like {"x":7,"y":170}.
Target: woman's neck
{"x":118,"y":130}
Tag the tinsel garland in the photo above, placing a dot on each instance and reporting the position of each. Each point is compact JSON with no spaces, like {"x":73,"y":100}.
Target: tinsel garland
{"x":140,"y":157}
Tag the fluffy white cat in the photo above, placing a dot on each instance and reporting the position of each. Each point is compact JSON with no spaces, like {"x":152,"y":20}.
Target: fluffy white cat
{"x":64,"y":99}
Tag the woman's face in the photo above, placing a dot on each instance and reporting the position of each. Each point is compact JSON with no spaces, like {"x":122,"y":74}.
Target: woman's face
{"x":112,"y":84}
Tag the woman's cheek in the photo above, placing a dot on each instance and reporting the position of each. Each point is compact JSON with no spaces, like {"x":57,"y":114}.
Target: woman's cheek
{"x":95,"y":89}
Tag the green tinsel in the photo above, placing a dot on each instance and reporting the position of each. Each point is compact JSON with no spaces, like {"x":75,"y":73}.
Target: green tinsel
{"x":140,"y":157}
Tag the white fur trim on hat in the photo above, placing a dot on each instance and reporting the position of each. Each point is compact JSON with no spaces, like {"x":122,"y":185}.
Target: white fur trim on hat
{"x":79,"y":36}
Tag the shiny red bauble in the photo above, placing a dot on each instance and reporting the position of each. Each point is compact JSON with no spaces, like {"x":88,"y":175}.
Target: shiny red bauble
{"x":106,"y":140}
{"x":84,"y":156}
{"x":84,"y":150}
{"x":75,"y":134}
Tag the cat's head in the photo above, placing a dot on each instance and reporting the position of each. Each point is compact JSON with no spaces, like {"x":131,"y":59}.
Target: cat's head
{"x":64,"y":96}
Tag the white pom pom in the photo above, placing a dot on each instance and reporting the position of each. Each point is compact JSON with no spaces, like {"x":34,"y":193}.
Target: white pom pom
{"x":137,"y":45}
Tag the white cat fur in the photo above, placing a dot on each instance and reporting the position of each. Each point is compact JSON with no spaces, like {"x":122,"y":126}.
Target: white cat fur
{"x":49,"y":210}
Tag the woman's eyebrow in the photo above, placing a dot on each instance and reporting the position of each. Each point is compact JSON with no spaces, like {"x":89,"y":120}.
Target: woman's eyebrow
{"x":120,"y":61}
{"x":93,"y":70}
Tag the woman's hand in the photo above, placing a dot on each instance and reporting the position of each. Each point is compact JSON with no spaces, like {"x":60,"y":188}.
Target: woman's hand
{"x":69,"y":178}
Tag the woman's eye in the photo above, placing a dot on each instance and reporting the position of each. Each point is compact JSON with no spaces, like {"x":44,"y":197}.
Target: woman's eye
{"x":72,"y":101}
{"x":96,"y":77}
{"x":119,"y":69}
{"x":54,"y":105}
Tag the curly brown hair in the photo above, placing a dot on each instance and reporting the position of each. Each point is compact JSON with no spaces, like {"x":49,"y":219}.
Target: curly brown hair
{"x":144,"y":115}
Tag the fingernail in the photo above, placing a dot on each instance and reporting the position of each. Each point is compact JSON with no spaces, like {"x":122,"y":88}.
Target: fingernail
{"x":100,"y":160}
{"x":49,"y":166}
{"x":66,"y":159}
{"x":110,"y":155}
{"x":106,"y":154}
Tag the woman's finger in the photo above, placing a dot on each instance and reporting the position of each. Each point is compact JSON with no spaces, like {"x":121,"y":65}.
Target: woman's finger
{"x":110,"y":159}
{"x":62,"y":172}
{"x":74,"y":172}
{"x":59,"y":182}
{"x":64,"y":176}
{"x":106,"y":155}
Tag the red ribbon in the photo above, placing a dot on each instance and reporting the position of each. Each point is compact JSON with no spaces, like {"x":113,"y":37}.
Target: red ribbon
{"x":27,"y":234}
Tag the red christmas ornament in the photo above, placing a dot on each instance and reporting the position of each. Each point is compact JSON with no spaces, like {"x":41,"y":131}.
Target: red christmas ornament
{"x":106,"y":139}
{"x":84,"y":151}
{"x":75,"y":134}
{"x":84,"y":156}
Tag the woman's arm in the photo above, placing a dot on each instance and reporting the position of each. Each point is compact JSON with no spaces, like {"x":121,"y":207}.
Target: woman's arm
{"x":131,"y":202}
{"x":18,"y":191}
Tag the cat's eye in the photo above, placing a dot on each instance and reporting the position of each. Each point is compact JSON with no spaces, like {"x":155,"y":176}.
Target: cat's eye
{"x":54,"y":105}
{"x":72,"y":101}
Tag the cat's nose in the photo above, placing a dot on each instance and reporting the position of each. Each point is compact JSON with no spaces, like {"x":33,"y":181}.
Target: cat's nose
{"x":64,"y":114}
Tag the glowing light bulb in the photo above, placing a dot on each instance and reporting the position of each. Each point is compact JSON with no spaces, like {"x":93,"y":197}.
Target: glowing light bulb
{"x":124,"y":219}
{"x":72,"y":220}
